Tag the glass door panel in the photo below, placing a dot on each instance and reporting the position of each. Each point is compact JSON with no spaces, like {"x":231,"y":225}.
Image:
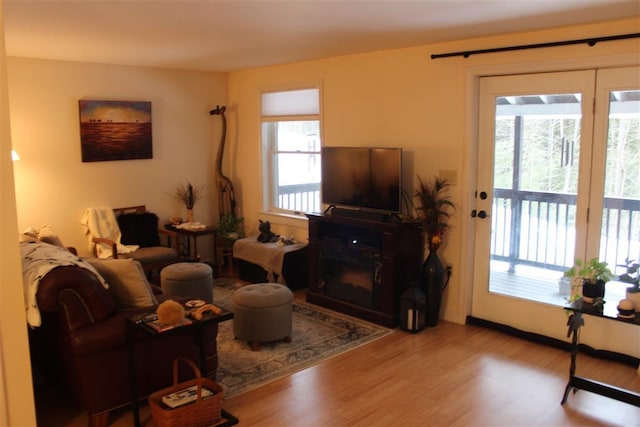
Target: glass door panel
{"x":535,"y":185}
{"x":534,"y":156}
{"x":616,"y":233}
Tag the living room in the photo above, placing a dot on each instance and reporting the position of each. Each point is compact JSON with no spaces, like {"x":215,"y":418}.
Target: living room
{"x":397,"y":97}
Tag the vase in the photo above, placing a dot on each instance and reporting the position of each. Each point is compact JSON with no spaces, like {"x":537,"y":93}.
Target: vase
{"x":189,"y":215}
{"x":592,"y":290}
{"x":433,"y":283}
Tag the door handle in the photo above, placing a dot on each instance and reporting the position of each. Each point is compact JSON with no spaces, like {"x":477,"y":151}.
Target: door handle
{"x":481,"y":214}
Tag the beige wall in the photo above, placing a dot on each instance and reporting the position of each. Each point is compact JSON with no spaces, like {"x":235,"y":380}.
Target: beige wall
{"x":402,"y":98}
{"x":16,"y":395}
{"x":54,"y":186}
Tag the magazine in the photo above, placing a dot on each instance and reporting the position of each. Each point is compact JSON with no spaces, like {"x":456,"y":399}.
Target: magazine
{"x":185,"y":396}
{"x":161,"y":327}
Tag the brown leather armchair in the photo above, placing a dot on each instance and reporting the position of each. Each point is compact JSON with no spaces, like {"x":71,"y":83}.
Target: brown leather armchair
{"x":83,"y":334}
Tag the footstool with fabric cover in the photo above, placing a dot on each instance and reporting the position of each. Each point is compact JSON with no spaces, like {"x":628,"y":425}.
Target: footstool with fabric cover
{"x":188,"y":279}
{"x":262,"y":312}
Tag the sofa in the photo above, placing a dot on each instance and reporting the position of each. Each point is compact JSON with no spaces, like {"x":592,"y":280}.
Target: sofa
{"x":82,"y":337}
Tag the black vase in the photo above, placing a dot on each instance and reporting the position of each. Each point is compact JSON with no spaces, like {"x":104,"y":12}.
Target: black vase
{"x":432,"y":284}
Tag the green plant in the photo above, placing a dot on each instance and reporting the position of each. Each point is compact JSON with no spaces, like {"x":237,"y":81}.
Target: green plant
{"x":590,"y":271}
{"x":631,"y":275}
{"x":230,"y":227}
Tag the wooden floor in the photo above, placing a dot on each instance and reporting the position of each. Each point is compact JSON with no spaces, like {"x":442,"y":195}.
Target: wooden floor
{"x":450,"y":375}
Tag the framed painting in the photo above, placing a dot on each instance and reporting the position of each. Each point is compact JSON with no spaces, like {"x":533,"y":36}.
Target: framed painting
{"x":115,"y":130}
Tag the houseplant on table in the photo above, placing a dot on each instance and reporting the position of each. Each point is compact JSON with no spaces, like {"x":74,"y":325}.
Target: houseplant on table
{"x":594,"y":274}
{"x":434,"y":209}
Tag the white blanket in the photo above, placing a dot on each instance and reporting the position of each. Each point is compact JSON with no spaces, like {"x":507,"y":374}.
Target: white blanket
{"x":38,"y":259}
{"x":101,"y":222}
{"x":269,"y":256}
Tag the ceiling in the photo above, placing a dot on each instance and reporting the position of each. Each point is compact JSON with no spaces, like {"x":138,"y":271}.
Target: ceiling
{"x":228,"y":35}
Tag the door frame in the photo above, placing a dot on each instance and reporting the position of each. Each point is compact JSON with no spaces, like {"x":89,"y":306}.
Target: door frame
{"x":468,"y":173}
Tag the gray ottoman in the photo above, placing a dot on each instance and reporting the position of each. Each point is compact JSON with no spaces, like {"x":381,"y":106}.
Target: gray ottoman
{"x":262,"y":313}
{"x":188,"y":279}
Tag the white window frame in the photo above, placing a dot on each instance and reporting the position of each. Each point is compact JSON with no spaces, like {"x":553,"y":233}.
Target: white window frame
{"x":288,"y":112}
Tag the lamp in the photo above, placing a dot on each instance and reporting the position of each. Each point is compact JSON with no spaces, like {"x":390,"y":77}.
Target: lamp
{"x":413,"y":308}
{"x":14,"y":155}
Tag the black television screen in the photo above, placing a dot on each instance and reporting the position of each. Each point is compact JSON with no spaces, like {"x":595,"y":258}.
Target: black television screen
{"x":362,"y":177}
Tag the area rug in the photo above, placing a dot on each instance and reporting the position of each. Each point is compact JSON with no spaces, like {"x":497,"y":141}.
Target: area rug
{"x":318,"y":334}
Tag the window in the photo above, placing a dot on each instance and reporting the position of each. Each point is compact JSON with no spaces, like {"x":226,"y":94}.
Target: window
{"x":291,"y":151}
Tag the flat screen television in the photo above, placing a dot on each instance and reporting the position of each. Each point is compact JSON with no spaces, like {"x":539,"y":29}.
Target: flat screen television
{"x":362,"y":177}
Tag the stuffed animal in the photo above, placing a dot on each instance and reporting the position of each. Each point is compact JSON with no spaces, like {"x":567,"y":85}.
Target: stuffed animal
{"x":266,"y":235}
{"x":170,"y":312}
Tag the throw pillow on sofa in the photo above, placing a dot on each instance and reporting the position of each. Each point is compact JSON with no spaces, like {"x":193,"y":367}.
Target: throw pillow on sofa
{"x":126,"y":280}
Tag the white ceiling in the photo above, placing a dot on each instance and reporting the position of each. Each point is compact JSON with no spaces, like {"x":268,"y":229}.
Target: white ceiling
{"x":226,"y":35}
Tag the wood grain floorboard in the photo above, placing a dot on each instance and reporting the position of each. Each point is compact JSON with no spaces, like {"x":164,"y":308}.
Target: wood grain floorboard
{"x":450,"y":375}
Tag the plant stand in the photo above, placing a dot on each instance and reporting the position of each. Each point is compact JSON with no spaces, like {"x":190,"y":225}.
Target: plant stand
{"x":576,"y":321}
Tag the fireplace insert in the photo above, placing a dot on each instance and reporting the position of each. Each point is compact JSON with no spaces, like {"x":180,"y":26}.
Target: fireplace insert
{"x":352,"y":276}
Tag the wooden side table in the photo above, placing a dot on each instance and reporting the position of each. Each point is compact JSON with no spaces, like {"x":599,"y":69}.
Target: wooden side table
{"x":136,"y":325}
{"x":576,"y":321}
{"x":209,"y":230}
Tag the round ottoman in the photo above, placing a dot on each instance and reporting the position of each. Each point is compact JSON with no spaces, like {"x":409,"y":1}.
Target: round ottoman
{"x":188,"y":279}
{"x":262,"y":313}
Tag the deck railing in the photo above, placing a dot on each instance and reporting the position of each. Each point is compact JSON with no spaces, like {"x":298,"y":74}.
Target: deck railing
{"x":300,"y":197}
{"x":530,"y":228}
{"x":538,"y":229}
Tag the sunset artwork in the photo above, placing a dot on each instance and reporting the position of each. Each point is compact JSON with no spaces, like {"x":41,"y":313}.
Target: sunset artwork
{"x":115,"y":130}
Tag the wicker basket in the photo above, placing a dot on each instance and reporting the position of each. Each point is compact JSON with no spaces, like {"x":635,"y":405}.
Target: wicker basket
{"x":199,"y":413}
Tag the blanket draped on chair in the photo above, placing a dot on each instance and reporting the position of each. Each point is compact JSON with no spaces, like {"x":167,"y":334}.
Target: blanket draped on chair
{"x":101,"y":222}
{"x":37,"y":260}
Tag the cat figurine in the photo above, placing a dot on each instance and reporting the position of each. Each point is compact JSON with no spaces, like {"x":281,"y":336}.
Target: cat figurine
{"x":266,"y":235}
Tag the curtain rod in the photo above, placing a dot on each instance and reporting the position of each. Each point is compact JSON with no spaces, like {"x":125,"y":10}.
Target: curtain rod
{"x":590,"y":42}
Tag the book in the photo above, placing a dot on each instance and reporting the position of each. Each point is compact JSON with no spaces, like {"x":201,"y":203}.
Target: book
{"x":161,"y":327}
{"x":185,"y":396}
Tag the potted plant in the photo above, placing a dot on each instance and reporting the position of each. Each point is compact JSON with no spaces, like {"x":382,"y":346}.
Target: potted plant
{"x":594,"y":274}
{"x":229,"y":230}
{"x":632,"y":276}
{"x":434,"y":209}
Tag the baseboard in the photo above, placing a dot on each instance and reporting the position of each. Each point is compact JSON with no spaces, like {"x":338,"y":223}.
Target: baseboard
{"x":554,"y":342}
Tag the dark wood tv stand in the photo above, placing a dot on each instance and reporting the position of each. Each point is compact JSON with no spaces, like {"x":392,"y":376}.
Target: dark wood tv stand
{"x":359,"y":266}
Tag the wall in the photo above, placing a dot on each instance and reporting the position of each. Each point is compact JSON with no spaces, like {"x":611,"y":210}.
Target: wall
{"x":55,"y":187}
{"x":16,"y":395}
{"x":402,"y":98}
